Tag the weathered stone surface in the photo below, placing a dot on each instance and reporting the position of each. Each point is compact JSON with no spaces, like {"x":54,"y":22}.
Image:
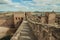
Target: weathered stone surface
{"x":24,"y":32}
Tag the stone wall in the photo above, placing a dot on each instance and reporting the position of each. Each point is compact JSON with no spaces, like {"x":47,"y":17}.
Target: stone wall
{"x":52,"y":18}
{"x":43,"y":19}
{"x":18,"y":17}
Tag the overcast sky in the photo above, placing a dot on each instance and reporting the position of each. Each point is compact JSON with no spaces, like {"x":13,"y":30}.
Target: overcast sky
{"x":30,"y":5}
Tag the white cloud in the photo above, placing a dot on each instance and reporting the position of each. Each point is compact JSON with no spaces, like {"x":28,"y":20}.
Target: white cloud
{"x":2,"y":2}
{"x":47,"y":1}
{"x":44,"y":1}
{"x":40,"y":5}
{"x":11,"y":4}
{"x":5,"y":1}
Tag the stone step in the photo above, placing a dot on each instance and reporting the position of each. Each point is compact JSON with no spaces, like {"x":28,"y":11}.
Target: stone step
{"x":23,"y":33}
{"x":30,"y":35}
{"x":26,"y":30}
{"x":26,"y":27}
{"x":25,"y":38}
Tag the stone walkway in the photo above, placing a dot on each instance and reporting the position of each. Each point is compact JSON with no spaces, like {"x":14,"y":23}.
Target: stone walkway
{"x":25,"y":32}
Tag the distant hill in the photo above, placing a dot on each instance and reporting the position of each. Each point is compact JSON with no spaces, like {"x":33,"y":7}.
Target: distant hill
{"x":1,"y":11}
